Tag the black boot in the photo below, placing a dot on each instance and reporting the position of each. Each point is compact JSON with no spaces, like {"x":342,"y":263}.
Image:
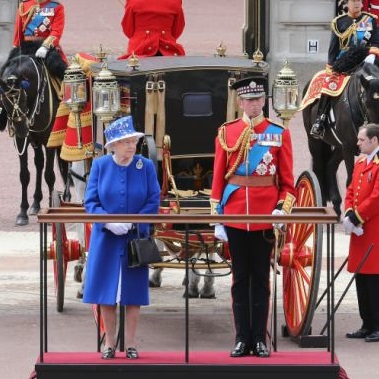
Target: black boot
{"x":318,"y":128}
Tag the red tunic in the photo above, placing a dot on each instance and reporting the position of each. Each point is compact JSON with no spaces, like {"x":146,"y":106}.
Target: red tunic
{"x":362,"y":196}
{"x":153,"y":27}
{"x":277,"y":161}
{"x":371,"y":6}
{"x":40,"y":20}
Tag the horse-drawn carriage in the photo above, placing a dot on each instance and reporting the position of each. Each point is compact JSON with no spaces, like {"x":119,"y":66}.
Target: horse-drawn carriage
{"x":179,"y":102}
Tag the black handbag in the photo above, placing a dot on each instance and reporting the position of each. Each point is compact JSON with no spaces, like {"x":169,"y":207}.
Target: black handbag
{"x":142,"y":251}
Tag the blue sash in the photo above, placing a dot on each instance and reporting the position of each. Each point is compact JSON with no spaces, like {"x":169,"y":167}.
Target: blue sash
{"x":38,"y":18}
{"x":360,"y":34}
{"x":255,"y":156}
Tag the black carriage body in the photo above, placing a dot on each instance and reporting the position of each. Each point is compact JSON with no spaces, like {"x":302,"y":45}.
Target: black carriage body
{"x":196,"y":95}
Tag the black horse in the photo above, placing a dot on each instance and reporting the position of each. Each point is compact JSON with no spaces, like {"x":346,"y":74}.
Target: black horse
{"x":29,"y":103}
{"x":358,"y":104}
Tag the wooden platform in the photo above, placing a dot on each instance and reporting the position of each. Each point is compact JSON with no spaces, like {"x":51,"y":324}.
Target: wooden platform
{"x":167,"y":365}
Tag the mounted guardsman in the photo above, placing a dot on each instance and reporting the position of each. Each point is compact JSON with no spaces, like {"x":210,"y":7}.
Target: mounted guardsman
{"x":355,"y":28}
{"x":38,"y":29}
{"x":40,"y":20}
{"x":253,"y":174}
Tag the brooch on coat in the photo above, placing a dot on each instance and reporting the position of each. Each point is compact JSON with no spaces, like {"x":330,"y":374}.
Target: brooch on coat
{"x":139,"y":164}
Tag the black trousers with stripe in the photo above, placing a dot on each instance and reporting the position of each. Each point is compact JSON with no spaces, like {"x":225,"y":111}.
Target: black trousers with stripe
{"x":250,"y":255}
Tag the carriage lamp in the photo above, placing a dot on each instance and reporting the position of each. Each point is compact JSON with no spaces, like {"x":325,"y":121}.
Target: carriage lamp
{"x":285,"y":93}
{"x":75,"y":94}
{"x":105,"y":95}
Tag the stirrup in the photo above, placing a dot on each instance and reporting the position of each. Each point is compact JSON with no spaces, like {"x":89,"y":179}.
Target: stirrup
{"x":317,"y":131}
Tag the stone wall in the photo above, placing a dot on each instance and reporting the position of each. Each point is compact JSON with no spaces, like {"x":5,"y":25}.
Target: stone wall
{"x":7,"y":15}
{"x":300,"y":32}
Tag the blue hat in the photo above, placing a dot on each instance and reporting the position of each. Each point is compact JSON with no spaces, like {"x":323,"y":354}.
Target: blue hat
{"x":120,"y":129}
{"x":250,"y":88}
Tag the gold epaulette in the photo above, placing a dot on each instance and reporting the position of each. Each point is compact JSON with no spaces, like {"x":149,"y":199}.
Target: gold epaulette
{"x":229,"y":122}
{"x":370,"y":14}
{"x":276,"y":123}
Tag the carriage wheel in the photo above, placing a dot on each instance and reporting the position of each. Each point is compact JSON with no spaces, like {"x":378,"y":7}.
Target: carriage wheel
{"x":301,"y":261}
{"x":60,"y":263}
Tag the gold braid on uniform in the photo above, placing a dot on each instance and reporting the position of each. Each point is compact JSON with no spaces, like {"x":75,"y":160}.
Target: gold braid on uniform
{"x":29,"y":12}
{"x":344,"y":37}
{"x":242,"y":144}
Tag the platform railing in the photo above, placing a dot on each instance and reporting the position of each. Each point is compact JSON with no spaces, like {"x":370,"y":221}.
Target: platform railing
{"x":299,"y":215}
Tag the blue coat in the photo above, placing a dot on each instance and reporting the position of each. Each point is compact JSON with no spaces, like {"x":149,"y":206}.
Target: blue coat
{"x":118,"y":189}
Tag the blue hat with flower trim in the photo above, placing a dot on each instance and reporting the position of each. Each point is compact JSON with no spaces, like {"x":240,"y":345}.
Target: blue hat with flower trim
{"x":121,"y":129}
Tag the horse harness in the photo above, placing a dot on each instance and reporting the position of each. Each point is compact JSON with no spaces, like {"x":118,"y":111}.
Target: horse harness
{"x":13,"y":97}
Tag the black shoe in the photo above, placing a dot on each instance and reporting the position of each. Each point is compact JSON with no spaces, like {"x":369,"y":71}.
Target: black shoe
{"x":240,"y":350}
{"x":109,"y":353}
{"x":373,"y":337}
{"x":360,"y":333}
{"x":132,"y":353}
{"x":260,"y":350}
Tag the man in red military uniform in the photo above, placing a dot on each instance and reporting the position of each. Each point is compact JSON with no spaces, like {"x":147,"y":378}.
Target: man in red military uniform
{"x":362,"y":221}
{"x":252,"y":175}
{"x":371,"y":6}
{"x":153,"y":27}
{"x":40,"y":20}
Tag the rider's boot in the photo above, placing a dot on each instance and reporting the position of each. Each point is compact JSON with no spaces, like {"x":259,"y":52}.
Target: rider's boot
{"x":318,"y":128}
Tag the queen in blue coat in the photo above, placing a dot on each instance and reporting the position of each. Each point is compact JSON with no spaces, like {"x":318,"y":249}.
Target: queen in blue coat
{"x":119,"y":183}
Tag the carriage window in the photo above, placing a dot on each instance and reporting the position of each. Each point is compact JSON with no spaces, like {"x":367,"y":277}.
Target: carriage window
{"x":197,"y":104}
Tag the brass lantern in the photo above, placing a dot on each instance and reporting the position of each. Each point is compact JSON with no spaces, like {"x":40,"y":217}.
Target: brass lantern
{"x":75,"y":94}
{"x":105,"y":95}
{"x":285,"y":93}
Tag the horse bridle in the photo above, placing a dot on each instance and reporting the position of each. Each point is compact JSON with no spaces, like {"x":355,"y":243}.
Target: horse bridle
{"x":13,"y":97}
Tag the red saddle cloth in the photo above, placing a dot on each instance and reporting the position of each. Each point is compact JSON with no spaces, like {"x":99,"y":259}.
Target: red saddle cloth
{"x":322,"y":82}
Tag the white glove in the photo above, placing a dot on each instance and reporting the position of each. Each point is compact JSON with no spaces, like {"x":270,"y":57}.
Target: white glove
{"x":118,"y":228}
{"x":358,"y":230}
{"x":278,"y":212}
{"x":220,"y":232}
{"x":370,"y":58}
{"x":42,"y":52}
{"x":348,"y":225}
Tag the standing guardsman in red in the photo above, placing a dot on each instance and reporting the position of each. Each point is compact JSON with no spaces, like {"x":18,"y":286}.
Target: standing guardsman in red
{"x":153,"y":27}
{"x":253,"y":174}
{"x":371,"y":6}
{"x":361,"y":222}
{"x":40,"y":20}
